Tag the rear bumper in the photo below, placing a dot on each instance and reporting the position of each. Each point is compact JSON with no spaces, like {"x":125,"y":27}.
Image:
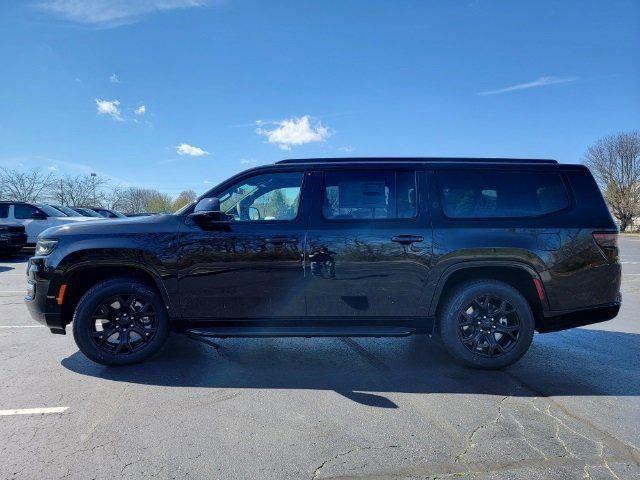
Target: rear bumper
{"x":43,"y":307}
{"x":12,"y":240}
{"x":554,"y":321}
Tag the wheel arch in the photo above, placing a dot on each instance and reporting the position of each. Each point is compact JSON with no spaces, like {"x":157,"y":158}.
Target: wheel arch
{"x":80,"y":278}
{"x":519,"y":275}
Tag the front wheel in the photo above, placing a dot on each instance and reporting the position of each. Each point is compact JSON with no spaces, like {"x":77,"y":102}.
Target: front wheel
{"x":487,"y":324}
{"x":120,"y":321}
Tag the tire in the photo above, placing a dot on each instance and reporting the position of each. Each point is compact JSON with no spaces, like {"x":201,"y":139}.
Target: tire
{"x":474,"y":313}
{"x":120,"y":322}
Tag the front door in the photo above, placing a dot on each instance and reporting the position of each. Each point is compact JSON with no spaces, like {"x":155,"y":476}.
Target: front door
{"x":369,"y":245}
{"x":249,"y":264}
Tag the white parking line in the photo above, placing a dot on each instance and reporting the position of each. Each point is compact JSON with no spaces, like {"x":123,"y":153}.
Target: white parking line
{"x":21,"y":326}
{"x":32,"y":411}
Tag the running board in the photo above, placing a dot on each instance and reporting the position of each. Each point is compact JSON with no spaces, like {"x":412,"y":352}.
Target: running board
{"x":373,"y":331}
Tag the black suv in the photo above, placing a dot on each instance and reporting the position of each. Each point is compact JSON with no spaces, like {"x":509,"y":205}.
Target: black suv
{"x":481,"y":251}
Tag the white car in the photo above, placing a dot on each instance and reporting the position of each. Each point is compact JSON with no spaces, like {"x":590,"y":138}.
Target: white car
{"x":37,"y":217}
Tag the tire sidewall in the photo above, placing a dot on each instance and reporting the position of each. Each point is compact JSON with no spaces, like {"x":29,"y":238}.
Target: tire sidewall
{"x":461,"y":299}
{"x":82,"y":318}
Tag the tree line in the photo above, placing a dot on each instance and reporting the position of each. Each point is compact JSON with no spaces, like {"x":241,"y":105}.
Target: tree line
{"x":36,"y":186}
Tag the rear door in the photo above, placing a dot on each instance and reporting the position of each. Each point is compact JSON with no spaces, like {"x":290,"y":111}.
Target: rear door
{"x":369,"y":244}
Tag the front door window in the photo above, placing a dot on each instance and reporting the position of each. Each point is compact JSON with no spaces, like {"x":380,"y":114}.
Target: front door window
{"x":268,"y":197}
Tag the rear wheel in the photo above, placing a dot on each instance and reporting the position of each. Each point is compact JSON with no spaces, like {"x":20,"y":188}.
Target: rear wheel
{"x":120,"y":321}
{"x":487,"y":324}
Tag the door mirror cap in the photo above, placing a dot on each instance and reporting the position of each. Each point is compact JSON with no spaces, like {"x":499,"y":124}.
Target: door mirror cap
{"x":207,"y":209}
{"x":207,"y":205}
{"x":38,"y":216}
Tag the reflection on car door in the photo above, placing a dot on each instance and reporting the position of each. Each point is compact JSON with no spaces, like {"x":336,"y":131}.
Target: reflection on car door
{"x":369,"y":244}
{"x":250,"y":264}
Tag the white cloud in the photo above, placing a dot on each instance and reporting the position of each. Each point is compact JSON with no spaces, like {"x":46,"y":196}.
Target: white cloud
{"x":112,"y":13}
{"x":114,"y":78}
{"x":293,"y":132}
{"x":346,"y":149}
{"x":109,"y":107}
{"x":141,"y":110}
{"x":540,"y":82}
{"x":52,"y":168}
{"x":186,"y":149}
{"x":248,"y":161}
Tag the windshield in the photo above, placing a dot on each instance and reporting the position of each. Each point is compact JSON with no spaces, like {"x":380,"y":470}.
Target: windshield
{"x":68,"y":211}
{"x":52,"y":212}
{"x":91,"y":213}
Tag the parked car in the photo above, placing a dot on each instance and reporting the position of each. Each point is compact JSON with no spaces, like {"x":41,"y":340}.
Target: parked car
{"x":86,"y":212}
{"x":35,"y":217}
{"x":481,"y":252}
{"x":12,"y":237}
{"x":107,"y":212}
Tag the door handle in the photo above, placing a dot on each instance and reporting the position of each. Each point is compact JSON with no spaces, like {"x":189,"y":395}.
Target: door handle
{"x":281,"y":240}
{"x":407,"y":239}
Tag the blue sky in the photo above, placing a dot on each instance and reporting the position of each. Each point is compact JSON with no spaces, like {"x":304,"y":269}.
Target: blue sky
{"x":226,"y":85}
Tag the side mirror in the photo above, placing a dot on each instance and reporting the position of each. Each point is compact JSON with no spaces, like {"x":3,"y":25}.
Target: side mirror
{"x":207,"y":209}
{"x":207,"y":205}
{"x":38,"y":216}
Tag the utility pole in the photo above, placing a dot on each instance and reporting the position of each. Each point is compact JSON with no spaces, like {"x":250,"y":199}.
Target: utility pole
{"x":93,"y":181}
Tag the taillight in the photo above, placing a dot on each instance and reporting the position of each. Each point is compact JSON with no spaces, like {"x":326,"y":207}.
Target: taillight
{"x":608,"y":243}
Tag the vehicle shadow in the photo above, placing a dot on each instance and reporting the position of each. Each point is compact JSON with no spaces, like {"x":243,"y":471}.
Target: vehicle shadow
{"x":575,"y":362}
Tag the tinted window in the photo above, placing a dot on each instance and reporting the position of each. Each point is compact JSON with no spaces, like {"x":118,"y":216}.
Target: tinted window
{"x":24,"y":211}
{"x":271,"y":196}
{"x":51,"y":211}
{"x":4,"y":211}
{"x":369,"y":195}
{"x":501,"y":194}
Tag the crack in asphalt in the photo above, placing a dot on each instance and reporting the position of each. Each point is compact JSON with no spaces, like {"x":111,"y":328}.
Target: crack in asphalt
{"x":317,"y":471}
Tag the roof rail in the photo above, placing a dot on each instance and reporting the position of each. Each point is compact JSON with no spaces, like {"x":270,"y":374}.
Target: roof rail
{"x":416,"y":160}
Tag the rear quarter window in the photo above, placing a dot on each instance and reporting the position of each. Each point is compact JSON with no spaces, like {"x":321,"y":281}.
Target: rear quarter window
{"x":501,"y":194}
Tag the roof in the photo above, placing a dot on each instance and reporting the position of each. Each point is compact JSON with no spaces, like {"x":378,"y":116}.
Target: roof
{"x":292,"y":161}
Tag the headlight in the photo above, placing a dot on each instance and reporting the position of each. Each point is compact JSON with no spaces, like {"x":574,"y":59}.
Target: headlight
{"x":45,"y":247}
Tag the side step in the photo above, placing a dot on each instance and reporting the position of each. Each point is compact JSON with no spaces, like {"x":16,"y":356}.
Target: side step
{"x":373,"y":331}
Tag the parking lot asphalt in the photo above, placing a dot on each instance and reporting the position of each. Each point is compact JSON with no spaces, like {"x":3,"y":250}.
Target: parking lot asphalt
{"x":321,"y":408}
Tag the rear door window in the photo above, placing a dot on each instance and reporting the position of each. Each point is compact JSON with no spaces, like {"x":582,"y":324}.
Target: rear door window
{"x":4,"y":211}
{"x":369,"y":195}
{"x":501,"y":194}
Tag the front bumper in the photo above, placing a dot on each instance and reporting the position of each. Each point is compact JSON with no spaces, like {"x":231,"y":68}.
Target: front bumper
{"x":554,"y":321}
{"x":42,"y":304}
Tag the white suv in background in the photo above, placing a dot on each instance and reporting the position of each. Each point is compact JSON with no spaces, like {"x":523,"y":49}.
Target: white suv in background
{"x":36,"y":217}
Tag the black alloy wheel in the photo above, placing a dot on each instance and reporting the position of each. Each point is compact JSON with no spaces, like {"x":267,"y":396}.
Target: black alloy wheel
{"x":124,"y":324}
{"x":486,"y":323}
{"x":120,"y":321}
{"x":489,"y":326}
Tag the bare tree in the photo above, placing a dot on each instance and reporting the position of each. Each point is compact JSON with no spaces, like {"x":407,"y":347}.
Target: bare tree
{"x":114,"y":198}
{"x":160,"y":203}
{"x":185,"y":198}
{"x":77,"y":190}
{"x":615,"y":163}
{"x":136,"y":200}
{"x":27,"y":186}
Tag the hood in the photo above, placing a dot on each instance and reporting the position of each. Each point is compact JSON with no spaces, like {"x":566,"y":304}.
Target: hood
{"x":120,"y":226}
{"x":79,"y":218}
